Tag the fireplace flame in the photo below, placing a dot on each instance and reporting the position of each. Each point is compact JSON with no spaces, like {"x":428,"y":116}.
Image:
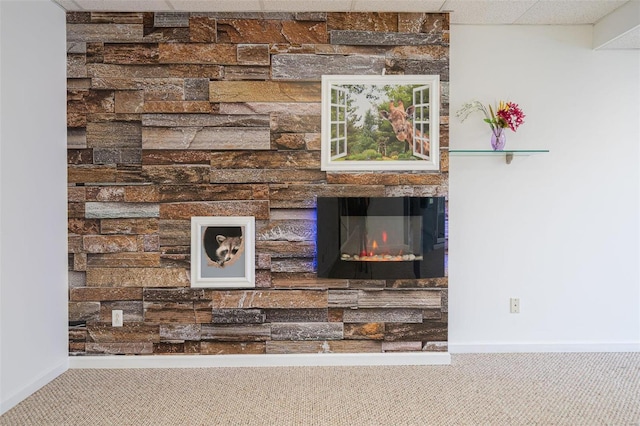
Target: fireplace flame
{"x":374,"y":247}
{"x":382,"y":251}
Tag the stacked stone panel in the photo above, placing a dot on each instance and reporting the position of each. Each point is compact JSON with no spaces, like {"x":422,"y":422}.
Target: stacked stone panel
{"x":174,"y":115}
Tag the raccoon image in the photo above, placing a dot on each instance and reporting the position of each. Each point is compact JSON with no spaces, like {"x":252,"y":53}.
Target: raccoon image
{"x":223,"y":245}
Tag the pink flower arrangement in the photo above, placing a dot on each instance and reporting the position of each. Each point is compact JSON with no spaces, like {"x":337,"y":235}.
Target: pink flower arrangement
{"x":508,"y":114}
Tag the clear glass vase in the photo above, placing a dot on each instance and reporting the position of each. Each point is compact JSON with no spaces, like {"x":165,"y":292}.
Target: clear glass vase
{"x":498,"y":139}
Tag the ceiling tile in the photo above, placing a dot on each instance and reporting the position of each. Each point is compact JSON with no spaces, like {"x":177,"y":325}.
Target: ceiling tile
{"x":67,"y":4}
{"x":216,"y":6}
{"x":630,"y":40}
{"x":305,"y":6}
{"x":123,"y":5}
{"x":397,"y":6}
{"x":486,"y":12}
{"x":568,"y":12}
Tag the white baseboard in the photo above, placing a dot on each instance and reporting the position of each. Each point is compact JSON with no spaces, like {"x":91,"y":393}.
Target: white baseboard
{"x":286,"y":360}
{"x":22,"y":394}
{"x":467,"y":348}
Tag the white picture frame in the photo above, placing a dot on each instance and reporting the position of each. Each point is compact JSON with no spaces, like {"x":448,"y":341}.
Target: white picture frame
{"x":372,"y":122}
{"x":223,"y":252}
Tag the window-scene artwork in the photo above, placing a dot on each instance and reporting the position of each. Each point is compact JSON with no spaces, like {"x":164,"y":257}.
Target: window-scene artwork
{"x":380,"y":122}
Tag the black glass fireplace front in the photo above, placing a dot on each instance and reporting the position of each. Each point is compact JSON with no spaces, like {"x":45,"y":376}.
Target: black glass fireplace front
{"x":381,"y":237}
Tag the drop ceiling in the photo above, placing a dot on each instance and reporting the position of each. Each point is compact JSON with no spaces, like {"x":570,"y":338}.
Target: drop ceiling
{"x":618,"y":20}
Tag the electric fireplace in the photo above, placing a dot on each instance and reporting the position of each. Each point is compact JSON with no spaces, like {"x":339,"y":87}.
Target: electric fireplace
{"x":381,"y":237}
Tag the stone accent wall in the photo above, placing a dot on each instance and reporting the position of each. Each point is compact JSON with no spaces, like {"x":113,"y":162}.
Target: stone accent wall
{"x":173,"y":115}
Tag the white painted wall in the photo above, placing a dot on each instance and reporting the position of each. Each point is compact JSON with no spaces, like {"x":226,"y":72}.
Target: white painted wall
{"x":559,"y":230}
{"x":33,"y":260}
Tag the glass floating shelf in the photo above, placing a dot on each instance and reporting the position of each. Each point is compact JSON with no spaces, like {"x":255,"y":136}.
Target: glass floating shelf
{"x":508,"y":154}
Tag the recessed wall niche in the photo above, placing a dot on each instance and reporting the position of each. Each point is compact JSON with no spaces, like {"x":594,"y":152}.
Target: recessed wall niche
{"x":176,"y":115}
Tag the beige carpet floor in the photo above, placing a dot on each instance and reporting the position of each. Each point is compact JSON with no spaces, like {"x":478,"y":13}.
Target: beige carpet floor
{"x":478,"y":389}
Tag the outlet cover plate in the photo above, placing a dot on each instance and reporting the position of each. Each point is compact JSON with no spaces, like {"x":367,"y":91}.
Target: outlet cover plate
{"x":514,"y":305}
{"x":116,"y":318}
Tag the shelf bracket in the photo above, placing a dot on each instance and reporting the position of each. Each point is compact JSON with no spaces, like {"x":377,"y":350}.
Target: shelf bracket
{"x":508,"y":157}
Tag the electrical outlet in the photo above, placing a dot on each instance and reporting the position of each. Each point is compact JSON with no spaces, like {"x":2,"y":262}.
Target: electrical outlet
{"x":515,"y":305}
{"x":116,"y":318}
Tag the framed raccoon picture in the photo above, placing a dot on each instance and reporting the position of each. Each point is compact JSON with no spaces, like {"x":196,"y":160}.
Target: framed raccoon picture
{"x":223,"y":252}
